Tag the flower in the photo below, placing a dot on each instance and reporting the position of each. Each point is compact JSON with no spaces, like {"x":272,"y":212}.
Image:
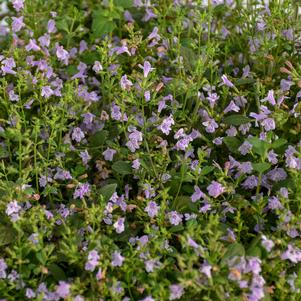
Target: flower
{"x":175,"y":218}
{"x":117,"y":259}
{"x":292,"y":253}
{"x":165,"y":126}
{"x":63,"y":289}
{"x":152,"y":209}
{"x":197,"y":194}
{"x":109,"y":153}
{"x":17,"y":24}
{"x":3,"y":267}
{"x":93,"y":260}
{"x":125,"y":84}
{"x":119,"y":225}
{"x":82,"y":190}
{"x":18,"y":4}
{"x":147,"y":68}
{"x":77,"y":134}
{"x":215,"y":189}
{"x":226,"y":81}
{"x":13,"y":209}
{"x":176,"y":291}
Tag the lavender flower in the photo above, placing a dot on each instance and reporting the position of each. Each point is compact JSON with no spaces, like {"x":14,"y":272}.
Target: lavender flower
{"x":63,"y":289}
{"x":152,"y":209}
{"x":147,"y":68}
{"x":13,"y":209}
{"x":109,"y":153}
{"x":83,"y":189}
{"x":119,"y":225}
{"x":227,"y":82}
{"x":117,"y":259}
{"x":165,"y":126}
{"x":197,"y":194}
{"x":125,"y":83}
{"x":215,"y":189}
{"x":93,"y":260}
{"x":77,"y":134}
{"x":175,"y":218}
{"x":17,"y":23}
{"x":3,"y":267}
{"x":176,"y":291}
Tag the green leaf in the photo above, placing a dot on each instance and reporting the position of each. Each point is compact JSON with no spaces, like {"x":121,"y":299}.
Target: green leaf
{"x":107,"y":191}
{"x":236,"y":119}
{"x":124,"y":3}
{"x":122,"y":167}
{"x":57,"y":272}
{"x":98,"y":138}
{"x":232,"y":143}
{"x":279,"y":142}
{"x":259,"y":146}
{"x":235,"y":249}
{"x":7,"y":235}
{"x":244,"y":81}
{"x":261,"y":167}
{"x":102,"y":23}
{"x":206,"y":170}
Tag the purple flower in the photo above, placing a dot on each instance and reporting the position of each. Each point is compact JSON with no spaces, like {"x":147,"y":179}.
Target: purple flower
{"x":231,"y":107}
{"x":3,"y":267}
{"x":44,"y":40}
{"x":272,"y":157}
{"x":62,"y":54}
{"x":30,"y":293}
{"x":165,"y":126}
{"x":97,"y":67}
{"x":215,"y":189}
{"x":210,"y":125}
{"x":268,"y":124}
{"x":93,"y":260}
{"x":197,"y":194}
{"x":117,"y":259}
{"x":77,"y":134}
{"x":292,"y":253}
{"x":152,"y":209}
{"x":63,"y":289}
{"x":147,"y":68}
{"x":12,"y":96}
{"x":274,"y":203}
{"x":176,"y":291}
{"x":226,"y":81}
{"x":17,"y":24}
{"x":206,"y":269}
{"x":17,"y":4}
{"x":32,"y":45}
{"x":109,"y":153}
{"x":135,"y":139}
{"x":125,"y":84}
{"x":51,"y":26}
{"x":13,"y":209}
{"x":245,"y":148}
{"x":270,"y":98}
{"x":175,"y":218}
{"x":46,"y":91}
{"x":267,"y":243}
{"x":85,"y":157}
{"x":250,"y":182}
{"x":212,"y":98}
{"x":82,"y":190}
{"x":136,"y":164}
{"x":119,"y":225}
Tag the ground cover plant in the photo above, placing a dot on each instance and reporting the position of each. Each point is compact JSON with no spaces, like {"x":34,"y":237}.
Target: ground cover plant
{"x":150,"y":150}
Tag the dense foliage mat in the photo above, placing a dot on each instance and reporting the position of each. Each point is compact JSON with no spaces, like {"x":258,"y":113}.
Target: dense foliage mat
{"x":150,"y":150}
